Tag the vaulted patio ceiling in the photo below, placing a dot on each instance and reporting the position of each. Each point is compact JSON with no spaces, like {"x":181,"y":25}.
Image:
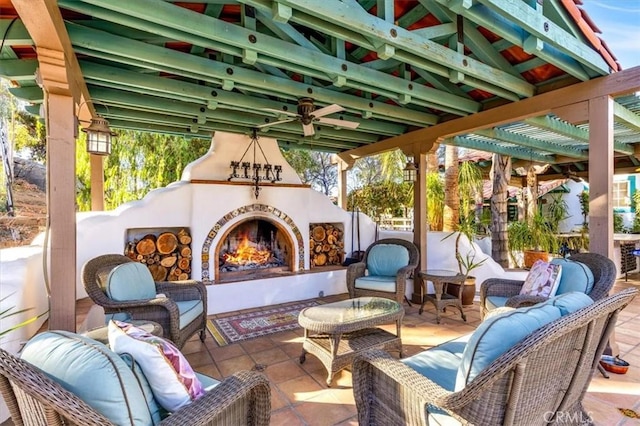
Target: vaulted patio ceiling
{"x":191,"y":68}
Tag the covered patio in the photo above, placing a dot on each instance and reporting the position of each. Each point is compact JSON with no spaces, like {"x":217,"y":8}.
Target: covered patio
{"x":530,"y":80}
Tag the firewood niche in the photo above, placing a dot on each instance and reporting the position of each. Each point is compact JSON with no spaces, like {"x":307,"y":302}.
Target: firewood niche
{"x":165,"y":251}
{"x":326,"y":244}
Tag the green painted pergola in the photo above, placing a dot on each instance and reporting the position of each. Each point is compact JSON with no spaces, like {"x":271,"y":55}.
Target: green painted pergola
{"x":525,"y":78}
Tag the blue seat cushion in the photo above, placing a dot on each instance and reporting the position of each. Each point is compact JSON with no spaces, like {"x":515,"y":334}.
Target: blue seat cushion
{"x":208,"y":383}
{"x":576,"y":276}
{"x":377,"y":283}
{"x":386,"y":259}
{"x":189,"y":310}
{"x":91,"y":371}
{"x":440,"y":363}
{"x":157,"y":412}
{"x":494,"y":302}
{"x":130,"y":281}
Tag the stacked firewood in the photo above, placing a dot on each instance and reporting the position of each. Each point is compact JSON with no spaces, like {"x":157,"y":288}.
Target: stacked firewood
{"x":166,"y":254}
{"x":326,"y":244}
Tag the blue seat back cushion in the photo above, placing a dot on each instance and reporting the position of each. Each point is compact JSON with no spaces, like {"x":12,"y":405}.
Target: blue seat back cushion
{"x":92,"y":372}
{"x":494,"y":302}
{"x":386,"y":259}
{"x":189,"y":311}
{"x":130,"y":281}
{"x":497,"y":334}
{"x":569,"y":302}
{"x":576,"y":276}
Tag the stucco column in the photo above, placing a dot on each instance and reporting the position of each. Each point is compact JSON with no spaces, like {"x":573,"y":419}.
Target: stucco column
{"x":61,"y":202}
{"x":601,"y":176}
{"x":420,"y":221}
{"x":97,"y":182}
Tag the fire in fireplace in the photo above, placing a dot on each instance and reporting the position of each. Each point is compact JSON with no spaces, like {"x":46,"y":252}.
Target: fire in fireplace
{"x":255,"y":244}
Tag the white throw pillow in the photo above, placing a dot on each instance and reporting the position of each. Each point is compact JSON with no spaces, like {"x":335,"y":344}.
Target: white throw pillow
{"x":172,"y":380}
{"x":543,"y":279}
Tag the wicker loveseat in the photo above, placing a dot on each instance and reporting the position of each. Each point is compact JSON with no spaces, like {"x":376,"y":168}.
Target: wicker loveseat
{"x":80,"y":381}
{"x":496,"y":292}
{"x":539,"y":380}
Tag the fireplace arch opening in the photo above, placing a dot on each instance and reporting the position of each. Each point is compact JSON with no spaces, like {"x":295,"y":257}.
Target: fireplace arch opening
{"x":253,"y":248}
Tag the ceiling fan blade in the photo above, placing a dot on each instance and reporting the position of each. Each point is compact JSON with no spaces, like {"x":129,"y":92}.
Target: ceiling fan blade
{"x":339,"y":123}
{"x":308,"y":129}
{"x":279,"y":111}
{"x":262,"y":126}
{"x":327,"y":110}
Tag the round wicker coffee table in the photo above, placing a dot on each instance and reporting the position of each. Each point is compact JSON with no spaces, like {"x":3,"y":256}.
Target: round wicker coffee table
{"x":336,"y":332}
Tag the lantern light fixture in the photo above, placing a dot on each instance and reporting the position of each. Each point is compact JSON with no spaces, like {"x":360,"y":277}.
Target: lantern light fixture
{"x":410,"y":171}
{"x":99,"y":136}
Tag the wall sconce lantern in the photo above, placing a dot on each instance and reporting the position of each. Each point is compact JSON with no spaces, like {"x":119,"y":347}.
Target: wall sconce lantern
{"x":410,"y":171}
{"x":99,"y":136}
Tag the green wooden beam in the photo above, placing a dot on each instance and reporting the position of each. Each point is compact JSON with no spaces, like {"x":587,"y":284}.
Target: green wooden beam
{"x":304,"y":60}
{"x":570,"y":131}
{"x":17,"y":35}
{"x":543,"y":28}
{"x":512,"y":33}
{"x":490,"y":146}
{"x":626,"y":117}
{"x":484,"y":50}
{"x":29,"y":94}
{"x":401,"y":39}
{"x":18,"y":69}
{"x":180,"y":90}
{"x":532,"y":143}
{"x":201,"y":68}
{"x":124,"y":100}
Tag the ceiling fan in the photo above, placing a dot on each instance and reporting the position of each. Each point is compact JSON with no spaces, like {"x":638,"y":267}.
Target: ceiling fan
{"x":308,"y":115}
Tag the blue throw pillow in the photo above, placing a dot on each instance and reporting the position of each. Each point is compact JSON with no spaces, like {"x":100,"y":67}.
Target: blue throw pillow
{"x":576,"y":276}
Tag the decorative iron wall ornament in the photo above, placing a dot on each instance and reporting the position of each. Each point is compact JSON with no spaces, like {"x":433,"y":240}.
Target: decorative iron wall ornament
{"x":252,"y":170}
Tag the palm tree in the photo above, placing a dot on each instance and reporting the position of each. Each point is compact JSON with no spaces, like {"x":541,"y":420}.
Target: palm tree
{"x":501,"y":172}
{"x":451,"y":215}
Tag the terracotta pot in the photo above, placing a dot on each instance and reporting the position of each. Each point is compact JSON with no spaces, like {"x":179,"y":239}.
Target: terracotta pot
{"x":531,"y":256}
{"x":468,"y":292}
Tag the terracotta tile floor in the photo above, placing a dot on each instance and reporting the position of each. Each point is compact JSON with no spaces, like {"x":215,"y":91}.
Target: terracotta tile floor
{"x":301,"y":397}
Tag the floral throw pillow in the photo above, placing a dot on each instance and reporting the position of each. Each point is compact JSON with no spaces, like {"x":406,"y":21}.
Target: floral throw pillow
{"x":172,"y":380}
{"x":543,"y":280}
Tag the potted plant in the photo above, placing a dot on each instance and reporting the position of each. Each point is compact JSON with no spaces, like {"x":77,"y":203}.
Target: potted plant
{"x":535,"y":238}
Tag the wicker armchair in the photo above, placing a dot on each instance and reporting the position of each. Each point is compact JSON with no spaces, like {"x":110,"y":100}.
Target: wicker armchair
{"x":398,"y":280}
{"x":35,"y":399}
{"x":604,"y":274}
{"x":162,"y":310}
{"x":543,"y":376}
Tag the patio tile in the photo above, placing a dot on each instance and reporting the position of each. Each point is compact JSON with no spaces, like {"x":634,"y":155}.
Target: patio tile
{"x":257,"y":345}
{"x":324,"y":410}
{"x":286,"y":417}
{"x":283,"y":371}
{"x":230,"y":366}
{"x":300,"y":389}
{"x":269,"y":356}
{"x":225,"y":352}
{"x":278,"y":399}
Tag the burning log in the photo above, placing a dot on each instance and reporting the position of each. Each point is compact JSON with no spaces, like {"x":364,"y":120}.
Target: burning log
{"x":166,"y":254}
{"x":326,"y":244}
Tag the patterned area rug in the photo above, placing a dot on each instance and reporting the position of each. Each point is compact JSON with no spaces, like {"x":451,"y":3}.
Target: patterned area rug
{"x":235,"y":328}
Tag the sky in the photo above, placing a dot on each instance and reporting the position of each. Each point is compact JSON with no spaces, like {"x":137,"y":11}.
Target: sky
{"x":619,"y":21}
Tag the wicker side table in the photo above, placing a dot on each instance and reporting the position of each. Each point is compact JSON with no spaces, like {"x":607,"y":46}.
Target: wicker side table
{"x":441,"y":299}
{"x":337,"y":331}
